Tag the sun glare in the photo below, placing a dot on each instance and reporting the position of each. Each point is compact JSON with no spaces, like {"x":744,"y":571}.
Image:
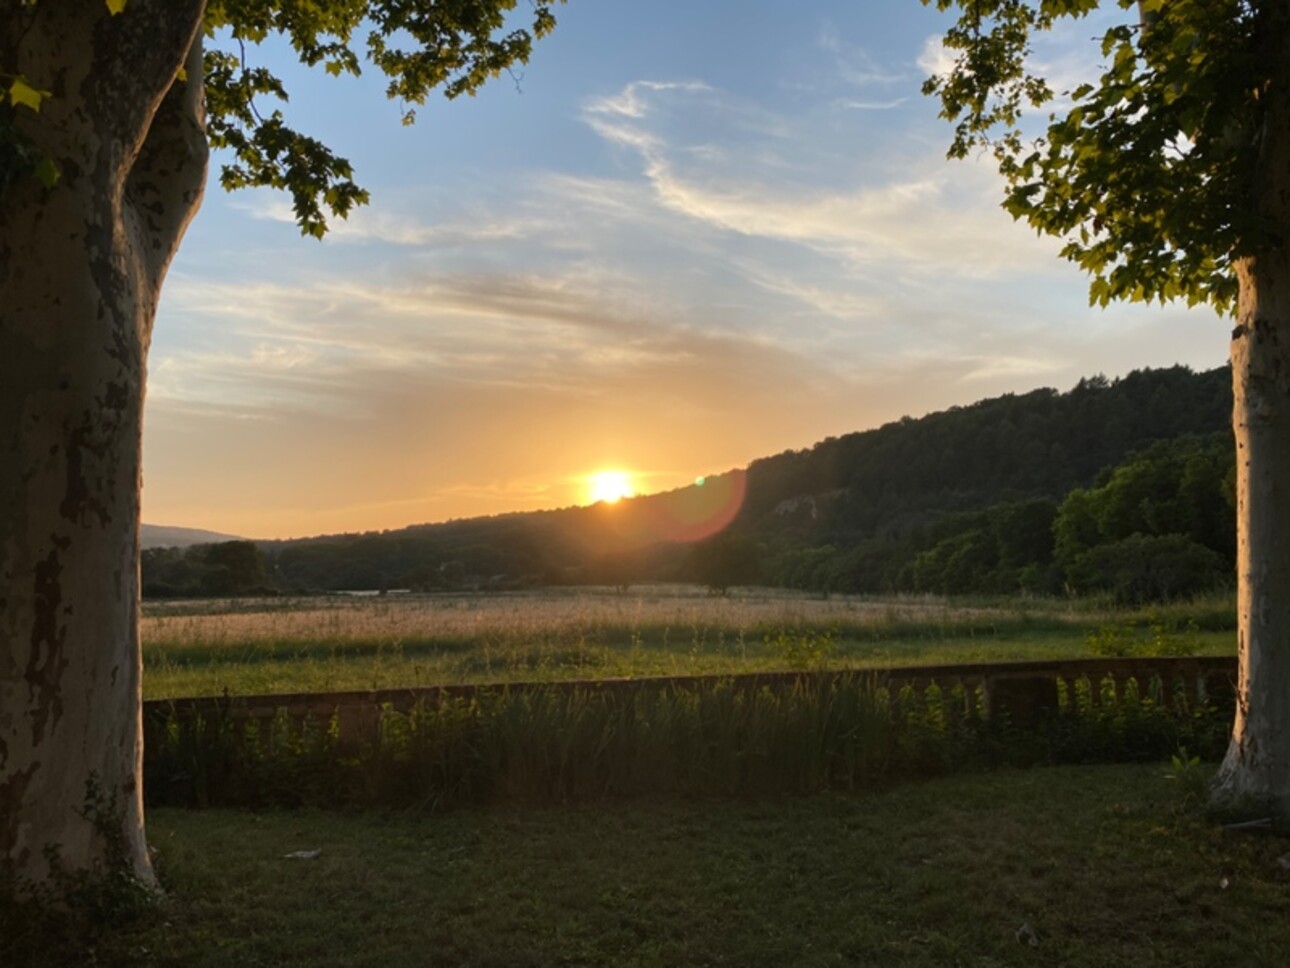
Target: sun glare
{"x":609,"y":486}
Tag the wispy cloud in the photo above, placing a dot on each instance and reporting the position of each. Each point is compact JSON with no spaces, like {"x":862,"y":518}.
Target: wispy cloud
{"x":926,"y":217}
{"x":718,"y":245}
{"x":853,"y":64}
{"x":851,"y":104}
{"x":994,"y":367}
{"x":394,"y":227}
{"x":318,"y":345}
{"x":634,"y":101}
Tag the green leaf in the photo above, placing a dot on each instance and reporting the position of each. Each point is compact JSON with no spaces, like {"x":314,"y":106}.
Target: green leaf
{"x":47,"y":172}
{"x":21,"y":92}
{"x":115,"y":6}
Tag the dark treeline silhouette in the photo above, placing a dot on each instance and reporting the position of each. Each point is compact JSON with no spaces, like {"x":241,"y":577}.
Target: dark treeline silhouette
{"x":222,"y":569}
{"x":1120,"y":486}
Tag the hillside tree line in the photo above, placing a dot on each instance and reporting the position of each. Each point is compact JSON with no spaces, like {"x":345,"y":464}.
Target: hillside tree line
{"x":1120,"y":487}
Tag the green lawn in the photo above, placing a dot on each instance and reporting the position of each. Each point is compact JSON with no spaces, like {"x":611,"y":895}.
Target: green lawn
{"x":1106,"y":865}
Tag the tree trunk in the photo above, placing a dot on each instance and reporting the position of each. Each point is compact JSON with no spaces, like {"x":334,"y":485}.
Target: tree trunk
{"x":1256,"y":770}
{"x":81,"y":266}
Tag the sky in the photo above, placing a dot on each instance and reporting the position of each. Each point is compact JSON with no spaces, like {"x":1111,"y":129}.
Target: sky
{"x":686,"y":235}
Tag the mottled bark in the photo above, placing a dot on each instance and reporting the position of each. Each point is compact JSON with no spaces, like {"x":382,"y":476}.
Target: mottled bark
{"x":81,"y":267}
{"x":1257,"y":766}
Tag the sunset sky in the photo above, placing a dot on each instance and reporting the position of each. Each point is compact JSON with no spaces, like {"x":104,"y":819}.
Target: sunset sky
{"x":691,"y":235}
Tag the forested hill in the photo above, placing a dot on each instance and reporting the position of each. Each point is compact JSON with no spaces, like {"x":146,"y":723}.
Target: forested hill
{"x":986,"y":497}
{"x":1041,"y":443}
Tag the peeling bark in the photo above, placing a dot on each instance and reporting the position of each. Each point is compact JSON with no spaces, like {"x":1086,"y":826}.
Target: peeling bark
{"x":1256,"y":769}
{"x":81,"y":268}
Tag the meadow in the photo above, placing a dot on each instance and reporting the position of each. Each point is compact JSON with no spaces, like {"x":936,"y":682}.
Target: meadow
{"x":335,"y":643}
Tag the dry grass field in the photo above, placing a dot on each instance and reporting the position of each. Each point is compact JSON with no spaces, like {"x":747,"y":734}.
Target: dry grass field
{"x":538,"y":615}
{"x":365,"y":642}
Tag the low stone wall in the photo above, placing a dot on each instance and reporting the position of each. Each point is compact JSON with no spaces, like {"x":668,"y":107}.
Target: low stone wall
{"x":1019,"y":689}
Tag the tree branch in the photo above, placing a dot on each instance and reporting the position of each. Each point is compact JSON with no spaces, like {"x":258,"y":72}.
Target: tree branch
{"x":166,"y":183}
{"x":137,"y":56}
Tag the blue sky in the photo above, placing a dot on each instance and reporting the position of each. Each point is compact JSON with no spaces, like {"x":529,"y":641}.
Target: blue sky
{"x":688,"y":235}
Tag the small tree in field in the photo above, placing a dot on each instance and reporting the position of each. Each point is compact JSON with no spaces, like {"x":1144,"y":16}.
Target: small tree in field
{"x":1168,"y":177}
{"x":107,"y":111}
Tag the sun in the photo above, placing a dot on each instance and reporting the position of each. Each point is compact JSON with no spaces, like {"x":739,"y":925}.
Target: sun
{"x":609,"y":486}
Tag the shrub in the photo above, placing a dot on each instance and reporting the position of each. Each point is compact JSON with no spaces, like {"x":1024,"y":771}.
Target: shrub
{"x":703,"y":737}
{"x":1152,"y":636}
{"x":1149,"y":568}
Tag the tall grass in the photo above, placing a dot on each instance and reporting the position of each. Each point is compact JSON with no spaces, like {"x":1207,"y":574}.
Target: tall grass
{"x":331,"y":644}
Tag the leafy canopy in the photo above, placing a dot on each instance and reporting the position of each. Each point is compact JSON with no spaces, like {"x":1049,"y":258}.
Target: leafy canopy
{"x":1146,"y":172}
{"x":455,"y":45}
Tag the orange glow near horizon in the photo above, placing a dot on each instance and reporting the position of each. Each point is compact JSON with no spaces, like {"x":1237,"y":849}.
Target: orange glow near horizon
{"x":610,"y":486}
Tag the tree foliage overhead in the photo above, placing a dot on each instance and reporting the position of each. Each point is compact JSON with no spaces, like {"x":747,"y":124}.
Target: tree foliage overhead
{"x":453,"y":45}
{"x":1176,"y":113}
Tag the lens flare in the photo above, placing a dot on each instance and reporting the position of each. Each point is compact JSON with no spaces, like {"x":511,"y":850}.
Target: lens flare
{"x":684,"y":515}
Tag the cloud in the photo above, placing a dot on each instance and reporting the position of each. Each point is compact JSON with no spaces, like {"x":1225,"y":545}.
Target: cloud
{"x":854,"y":65}
{"x":995,"y":367}
{"x":723,"y":257}
{"x":634,"y":101}
{"x":332,"y":347}
{"x":935,"y":59}
{"x":922,"y":216}
{"x":392,"y":226}
{"x":850,"y":104}
{"x":832,"y":300}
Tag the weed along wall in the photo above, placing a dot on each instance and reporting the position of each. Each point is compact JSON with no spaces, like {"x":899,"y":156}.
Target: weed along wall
{"x":697,"y":735}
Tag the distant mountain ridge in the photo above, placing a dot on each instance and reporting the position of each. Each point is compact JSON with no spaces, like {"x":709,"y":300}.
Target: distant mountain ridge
{"x":166,"y":536}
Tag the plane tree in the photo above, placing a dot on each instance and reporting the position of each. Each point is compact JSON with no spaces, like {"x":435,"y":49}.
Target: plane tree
{"x":108,"y":112}
{"x":1166,"y":175}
